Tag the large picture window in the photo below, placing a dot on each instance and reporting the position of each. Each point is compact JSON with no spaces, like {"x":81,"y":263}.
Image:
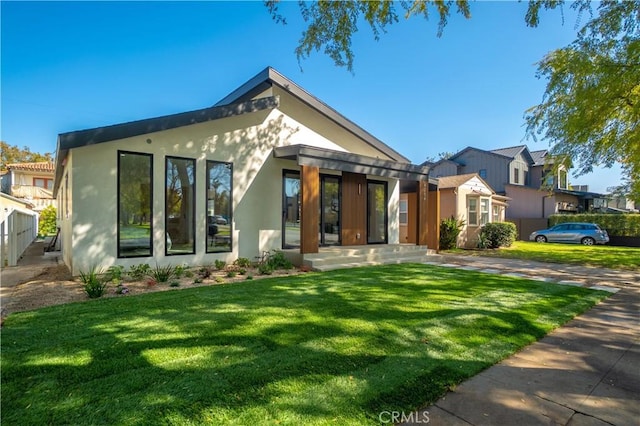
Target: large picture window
{"x":134,"y":204}
{"x":180,"y":206}
{"x":376,"y":212}
{"x":219,"y":212}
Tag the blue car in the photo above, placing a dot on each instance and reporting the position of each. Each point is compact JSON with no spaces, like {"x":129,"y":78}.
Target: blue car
{"x":586,"y":234}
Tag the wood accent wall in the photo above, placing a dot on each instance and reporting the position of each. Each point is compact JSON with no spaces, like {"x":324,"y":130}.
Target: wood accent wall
{"x":433,"y":237}
{"x":353,"y":218}
{"x":422,"y":192}
{"x":309,"y":220}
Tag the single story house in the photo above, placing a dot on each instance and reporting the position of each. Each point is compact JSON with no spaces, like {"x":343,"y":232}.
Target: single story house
{"x":469,"y":198}
{"x":268,"y":167}
{"x":30,"y":182}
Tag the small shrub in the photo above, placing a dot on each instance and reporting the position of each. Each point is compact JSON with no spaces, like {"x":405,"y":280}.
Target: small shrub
{"x":188,"y":274}
{"x":242,"y":262}
{"x":180,"y":270}
{"x":122,"y":289}
{"x":277,"y":260}
{"x":219,"y":280}
{"x":242,"y":271}
{"x":498,"y":234}
{"x":231,"y":273}
{"x":197,"y":280}
{"x":219,"y":264}
{"x":138,"y":272}
{"x":449,"y":230}
{"x":204,"y":272}
{"x":249,"y":277}
{"x":151,"y":282}
{"x":94,"y":286}
{"x":162,"y":274}
{"x":265,"y":269}
{"x":174,"y":284}
{"x":114,"y":274}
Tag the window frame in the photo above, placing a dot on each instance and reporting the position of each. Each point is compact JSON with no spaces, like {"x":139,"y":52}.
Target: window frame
{"x":206,"y":207}
{"x":484,"y":215}
{"x":385,"y":185}
{"x":475,"y":211}
{"x":193,"y":209}
{"x":119,"y":154}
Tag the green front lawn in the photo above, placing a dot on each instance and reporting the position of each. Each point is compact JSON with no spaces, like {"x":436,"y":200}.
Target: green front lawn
{"x":601,"y":255}
{"x":331,"y":348}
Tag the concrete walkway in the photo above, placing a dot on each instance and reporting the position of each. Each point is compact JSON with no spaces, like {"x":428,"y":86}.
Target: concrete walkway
{"x":585,"y":373}
{"x":32,"y":263}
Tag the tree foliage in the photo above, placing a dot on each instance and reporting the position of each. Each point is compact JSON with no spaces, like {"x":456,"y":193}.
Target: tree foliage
{"x":589,"y":112}
{"x":47,"y":221}
{"x":10,"y":154}
{"x":332,"y":24}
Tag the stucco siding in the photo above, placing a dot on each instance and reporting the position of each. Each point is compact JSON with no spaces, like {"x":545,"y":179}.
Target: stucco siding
{"x":246,"y":141}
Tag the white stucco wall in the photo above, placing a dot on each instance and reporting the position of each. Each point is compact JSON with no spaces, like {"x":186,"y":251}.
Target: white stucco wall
{"x":246,"y":141}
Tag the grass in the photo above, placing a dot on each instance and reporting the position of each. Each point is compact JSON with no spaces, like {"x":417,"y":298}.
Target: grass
{"x":601,"y":255}
{"x":331,"y":348}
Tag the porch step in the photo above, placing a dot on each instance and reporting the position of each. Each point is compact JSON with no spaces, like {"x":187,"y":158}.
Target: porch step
{"x":354,"y":256}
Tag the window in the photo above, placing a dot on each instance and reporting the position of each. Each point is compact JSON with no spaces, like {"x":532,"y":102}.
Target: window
{"x":43,"y":183}
{"x":219,"y":213}
{"x":516,"y":175}
{"x":291,"y":199}
{"x":180,"y":206}
{"x":496,"y":213}
{"x":376,"y":212}
{"x":484,"y":211}
{"x":134,"y":204}
{"x":562,"y":179}
{"x":403,"y":212}
{"x":482,"y":173}
{"x":472,"y":213}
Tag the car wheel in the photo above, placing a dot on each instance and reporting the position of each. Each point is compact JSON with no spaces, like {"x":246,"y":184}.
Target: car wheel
{"x":541,"y":239}
{"x":588,"y":241}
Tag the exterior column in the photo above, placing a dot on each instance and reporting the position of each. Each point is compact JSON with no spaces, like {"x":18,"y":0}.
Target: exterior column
{"x":433,"y":238}
{"x":309,"y":220}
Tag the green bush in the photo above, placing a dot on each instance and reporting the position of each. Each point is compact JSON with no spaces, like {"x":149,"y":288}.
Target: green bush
{"x":162,"y":274}
{"x":242,"y":262}
{"x":449,"y":230}
{"x":620,"y":225}
{"x":138,"y":272}
{"x":219,"y":264}
{"x":93,"y":284}
{"x":497,"y":234}
{"x":277,"y":260}
{"x":47,"y":221}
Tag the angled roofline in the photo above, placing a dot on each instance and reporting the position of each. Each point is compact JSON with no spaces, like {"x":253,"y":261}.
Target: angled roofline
{"x":470,"y":148}
{"x":76,"y":139}
{"x":269,"y":76}
{"x":522,"y":148}
{"x":468,"y":177}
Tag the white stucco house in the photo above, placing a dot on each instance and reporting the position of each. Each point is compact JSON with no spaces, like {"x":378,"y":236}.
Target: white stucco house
{"x":270,"y":166}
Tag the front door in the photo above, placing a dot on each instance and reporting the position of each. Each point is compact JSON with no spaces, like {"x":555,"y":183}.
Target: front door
{"x":330,"y":203}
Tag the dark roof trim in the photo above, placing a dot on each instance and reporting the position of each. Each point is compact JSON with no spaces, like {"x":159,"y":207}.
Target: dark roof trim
{"x":158,"y":124}
{"x":269,"y":76}
{"x":329,"y":159}
{"x":70,"y":140}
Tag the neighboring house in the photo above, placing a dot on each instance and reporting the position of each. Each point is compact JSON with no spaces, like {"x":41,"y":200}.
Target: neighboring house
{"x":268,"y":167}
{"x":526,"y":178}
{"x":31,"y":183}
{"x":469,"y":198}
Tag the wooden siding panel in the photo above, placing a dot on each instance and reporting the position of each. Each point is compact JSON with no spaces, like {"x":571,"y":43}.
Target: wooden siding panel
{"x":309,"y":223}
{"x":433,"y":221}
{"x":422,"y":193}
{"x":354,"y":209}
{"x":497,"y":167}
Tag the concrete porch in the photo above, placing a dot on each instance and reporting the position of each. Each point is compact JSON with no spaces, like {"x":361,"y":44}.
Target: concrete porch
{"x":340,"y":257}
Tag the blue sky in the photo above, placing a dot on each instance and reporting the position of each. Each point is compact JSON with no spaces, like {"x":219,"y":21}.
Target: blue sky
{"x":77,"y":65}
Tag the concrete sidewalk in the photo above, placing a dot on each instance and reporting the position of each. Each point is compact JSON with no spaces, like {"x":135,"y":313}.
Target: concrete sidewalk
{"x":584,"y":373}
